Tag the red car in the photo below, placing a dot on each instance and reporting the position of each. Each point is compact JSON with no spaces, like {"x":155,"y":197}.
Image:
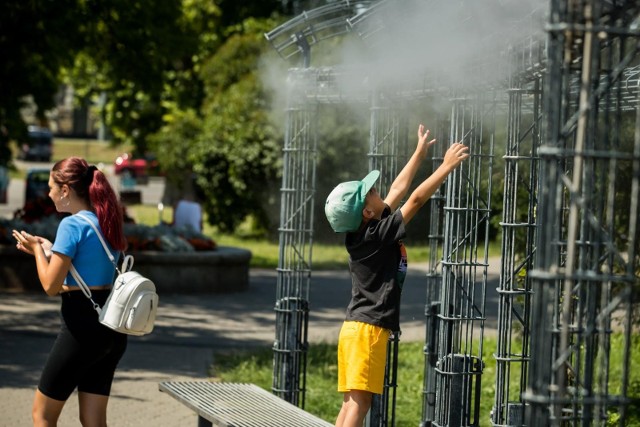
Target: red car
{"x":138,"y":167}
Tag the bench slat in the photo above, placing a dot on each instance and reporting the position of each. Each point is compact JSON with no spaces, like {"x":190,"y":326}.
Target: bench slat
{"x":239,"y":405}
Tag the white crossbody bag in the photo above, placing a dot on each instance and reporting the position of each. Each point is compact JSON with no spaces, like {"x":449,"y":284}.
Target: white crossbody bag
{"x":133,"y":302}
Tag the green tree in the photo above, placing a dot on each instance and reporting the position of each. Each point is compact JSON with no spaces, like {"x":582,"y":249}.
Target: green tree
{"x":37,"y":39}
{"x":239,"y":148}
{"x":230,"y":143}
{"x":130,"y":50}
{"x":143,"y":54}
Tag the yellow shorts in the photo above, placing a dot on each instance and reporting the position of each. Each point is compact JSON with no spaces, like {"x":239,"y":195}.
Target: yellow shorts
{"x":362,"y":356}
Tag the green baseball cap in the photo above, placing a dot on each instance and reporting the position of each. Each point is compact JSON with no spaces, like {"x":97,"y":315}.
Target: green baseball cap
{"x":344,"y":204}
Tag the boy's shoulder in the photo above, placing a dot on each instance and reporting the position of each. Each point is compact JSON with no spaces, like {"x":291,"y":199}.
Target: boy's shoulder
{"x":376,"y":232}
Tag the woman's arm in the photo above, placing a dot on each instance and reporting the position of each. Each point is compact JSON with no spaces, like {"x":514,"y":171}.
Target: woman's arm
{"x":51,"y":272}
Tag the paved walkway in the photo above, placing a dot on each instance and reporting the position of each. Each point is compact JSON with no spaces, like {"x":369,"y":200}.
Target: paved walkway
{"x":190,"y":329}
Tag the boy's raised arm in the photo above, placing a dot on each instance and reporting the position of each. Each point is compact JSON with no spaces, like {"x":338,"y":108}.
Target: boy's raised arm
{"x":452,"y":158}
{"x":401,"y":184}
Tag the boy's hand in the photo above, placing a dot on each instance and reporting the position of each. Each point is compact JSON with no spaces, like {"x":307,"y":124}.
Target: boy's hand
{"x":455,"y":155}
{"x":423,"y":142}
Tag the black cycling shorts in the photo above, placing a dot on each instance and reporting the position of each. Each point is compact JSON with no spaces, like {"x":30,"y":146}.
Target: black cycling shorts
{"x":85,"y":353}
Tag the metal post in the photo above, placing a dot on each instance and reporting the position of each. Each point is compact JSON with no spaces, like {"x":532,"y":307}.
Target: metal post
{"x":387,"y":149}
{"x":518,"y":252}
{"x":465,"y":262}
{"x":434,"y":283}
{"x":296,"y":241}
{"x":584,"y":272}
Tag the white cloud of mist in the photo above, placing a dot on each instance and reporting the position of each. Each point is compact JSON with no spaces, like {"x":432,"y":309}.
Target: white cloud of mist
{"x":434,"y":43}
{"x":456,"y":39}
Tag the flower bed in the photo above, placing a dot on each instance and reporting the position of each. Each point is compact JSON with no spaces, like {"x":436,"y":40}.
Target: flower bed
{"x":162,"y":237}
{"x":224,"y":270}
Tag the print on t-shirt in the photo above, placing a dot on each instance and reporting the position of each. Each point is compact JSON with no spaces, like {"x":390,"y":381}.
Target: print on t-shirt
{"x":402,"y":267}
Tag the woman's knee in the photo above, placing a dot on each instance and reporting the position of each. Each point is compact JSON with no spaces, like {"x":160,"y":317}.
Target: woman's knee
{"x":45,"y":411}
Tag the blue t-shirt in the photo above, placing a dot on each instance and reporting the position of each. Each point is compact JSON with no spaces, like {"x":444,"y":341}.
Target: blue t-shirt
{"x":76,"y":239}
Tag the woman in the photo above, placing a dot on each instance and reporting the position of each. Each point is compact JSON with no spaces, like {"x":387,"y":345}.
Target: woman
{"x":85,"y":353}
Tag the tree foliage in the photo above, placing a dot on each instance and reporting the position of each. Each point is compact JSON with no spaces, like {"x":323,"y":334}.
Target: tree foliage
{"x":37,"y":38}
{"x":181,"y":75}
{"x":144,"y":55}
{"x":232,"y":147}
{"x":141,"y":53}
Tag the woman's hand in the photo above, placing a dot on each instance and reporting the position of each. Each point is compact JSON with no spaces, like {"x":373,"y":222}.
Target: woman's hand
{"x":46,"y":246}
{"x":27,"y":243}
{"x":52,"y":267}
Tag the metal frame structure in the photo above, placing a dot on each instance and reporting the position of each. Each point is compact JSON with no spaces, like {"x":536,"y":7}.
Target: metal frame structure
{"x":521,"y":166}
{"x":434,"y":284}
{"x":585,"y":271}
{"x":387,"y":153}
{"x":294,"y":260}
{"x":569,"y":264}
{"x":465,"y":262}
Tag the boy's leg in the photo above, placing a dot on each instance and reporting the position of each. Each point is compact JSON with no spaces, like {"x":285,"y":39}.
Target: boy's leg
{"x":355,"y":405}
{"x":362,"y":350}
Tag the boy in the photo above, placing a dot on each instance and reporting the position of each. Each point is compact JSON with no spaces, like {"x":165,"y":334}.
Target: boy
{"x":378,"y":265}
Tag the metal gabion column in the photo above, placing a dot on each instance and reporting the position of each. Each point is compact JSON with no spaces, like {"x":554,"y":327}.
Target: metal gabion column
{"x":587,"y":267}
{"x":465,"y":261}
{"x":518,"y":251}
{"x":387,"y":141}
{"x":434,"y":281}
{"x":296,"y":240}
{"x":387,"y":153}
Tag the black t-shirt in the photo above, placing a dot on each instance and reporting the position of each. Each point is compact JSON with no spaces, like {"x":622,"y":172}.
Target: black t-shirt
{"x":378,"y":265}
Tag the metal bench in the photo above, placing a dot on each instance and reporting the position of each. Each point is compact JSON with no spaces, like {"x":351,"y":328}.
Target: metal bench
{"x":238,"y":405}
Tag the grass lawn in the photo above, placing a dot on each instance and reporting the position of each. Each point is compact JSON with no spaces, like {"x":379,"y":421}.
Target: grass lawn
{"x":92,"y":150}
{"x":324,"y":401}
{"x":265,"y":252}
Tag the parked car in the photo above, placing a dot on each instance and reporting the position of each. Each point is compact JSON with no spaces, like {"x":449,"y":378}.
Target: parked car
{"x":136,"y":167}
{"x":36,"y":184}
{"x":37,"y":203}
{"x":39,"y":145}
{"x":4,"y":183}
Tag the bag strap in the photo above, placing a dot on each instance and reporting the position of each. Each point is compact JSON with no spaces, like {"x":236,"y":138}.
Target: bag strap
{"x":127,"y":262}
{"x":84,"y":288}
{"x":126,"y":265}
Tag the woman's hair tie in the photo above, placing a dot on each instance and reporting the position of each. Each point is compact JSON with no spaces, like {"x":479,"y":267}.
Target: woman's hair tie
{"x":88,"y":176}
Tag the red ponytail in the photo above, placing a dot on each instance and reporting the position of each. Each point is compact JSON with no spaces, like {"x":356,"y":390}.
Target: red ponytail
{"x":92,"y":185}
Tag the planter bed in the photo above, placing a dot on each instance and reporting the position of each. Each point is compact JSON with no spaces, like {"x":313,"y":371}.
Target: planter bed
{"x":223,"y":270}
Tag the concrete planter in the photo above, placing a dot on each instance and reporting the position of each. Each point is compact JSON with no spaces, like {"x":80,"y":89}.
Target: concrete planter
{"x":223,"y":270}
